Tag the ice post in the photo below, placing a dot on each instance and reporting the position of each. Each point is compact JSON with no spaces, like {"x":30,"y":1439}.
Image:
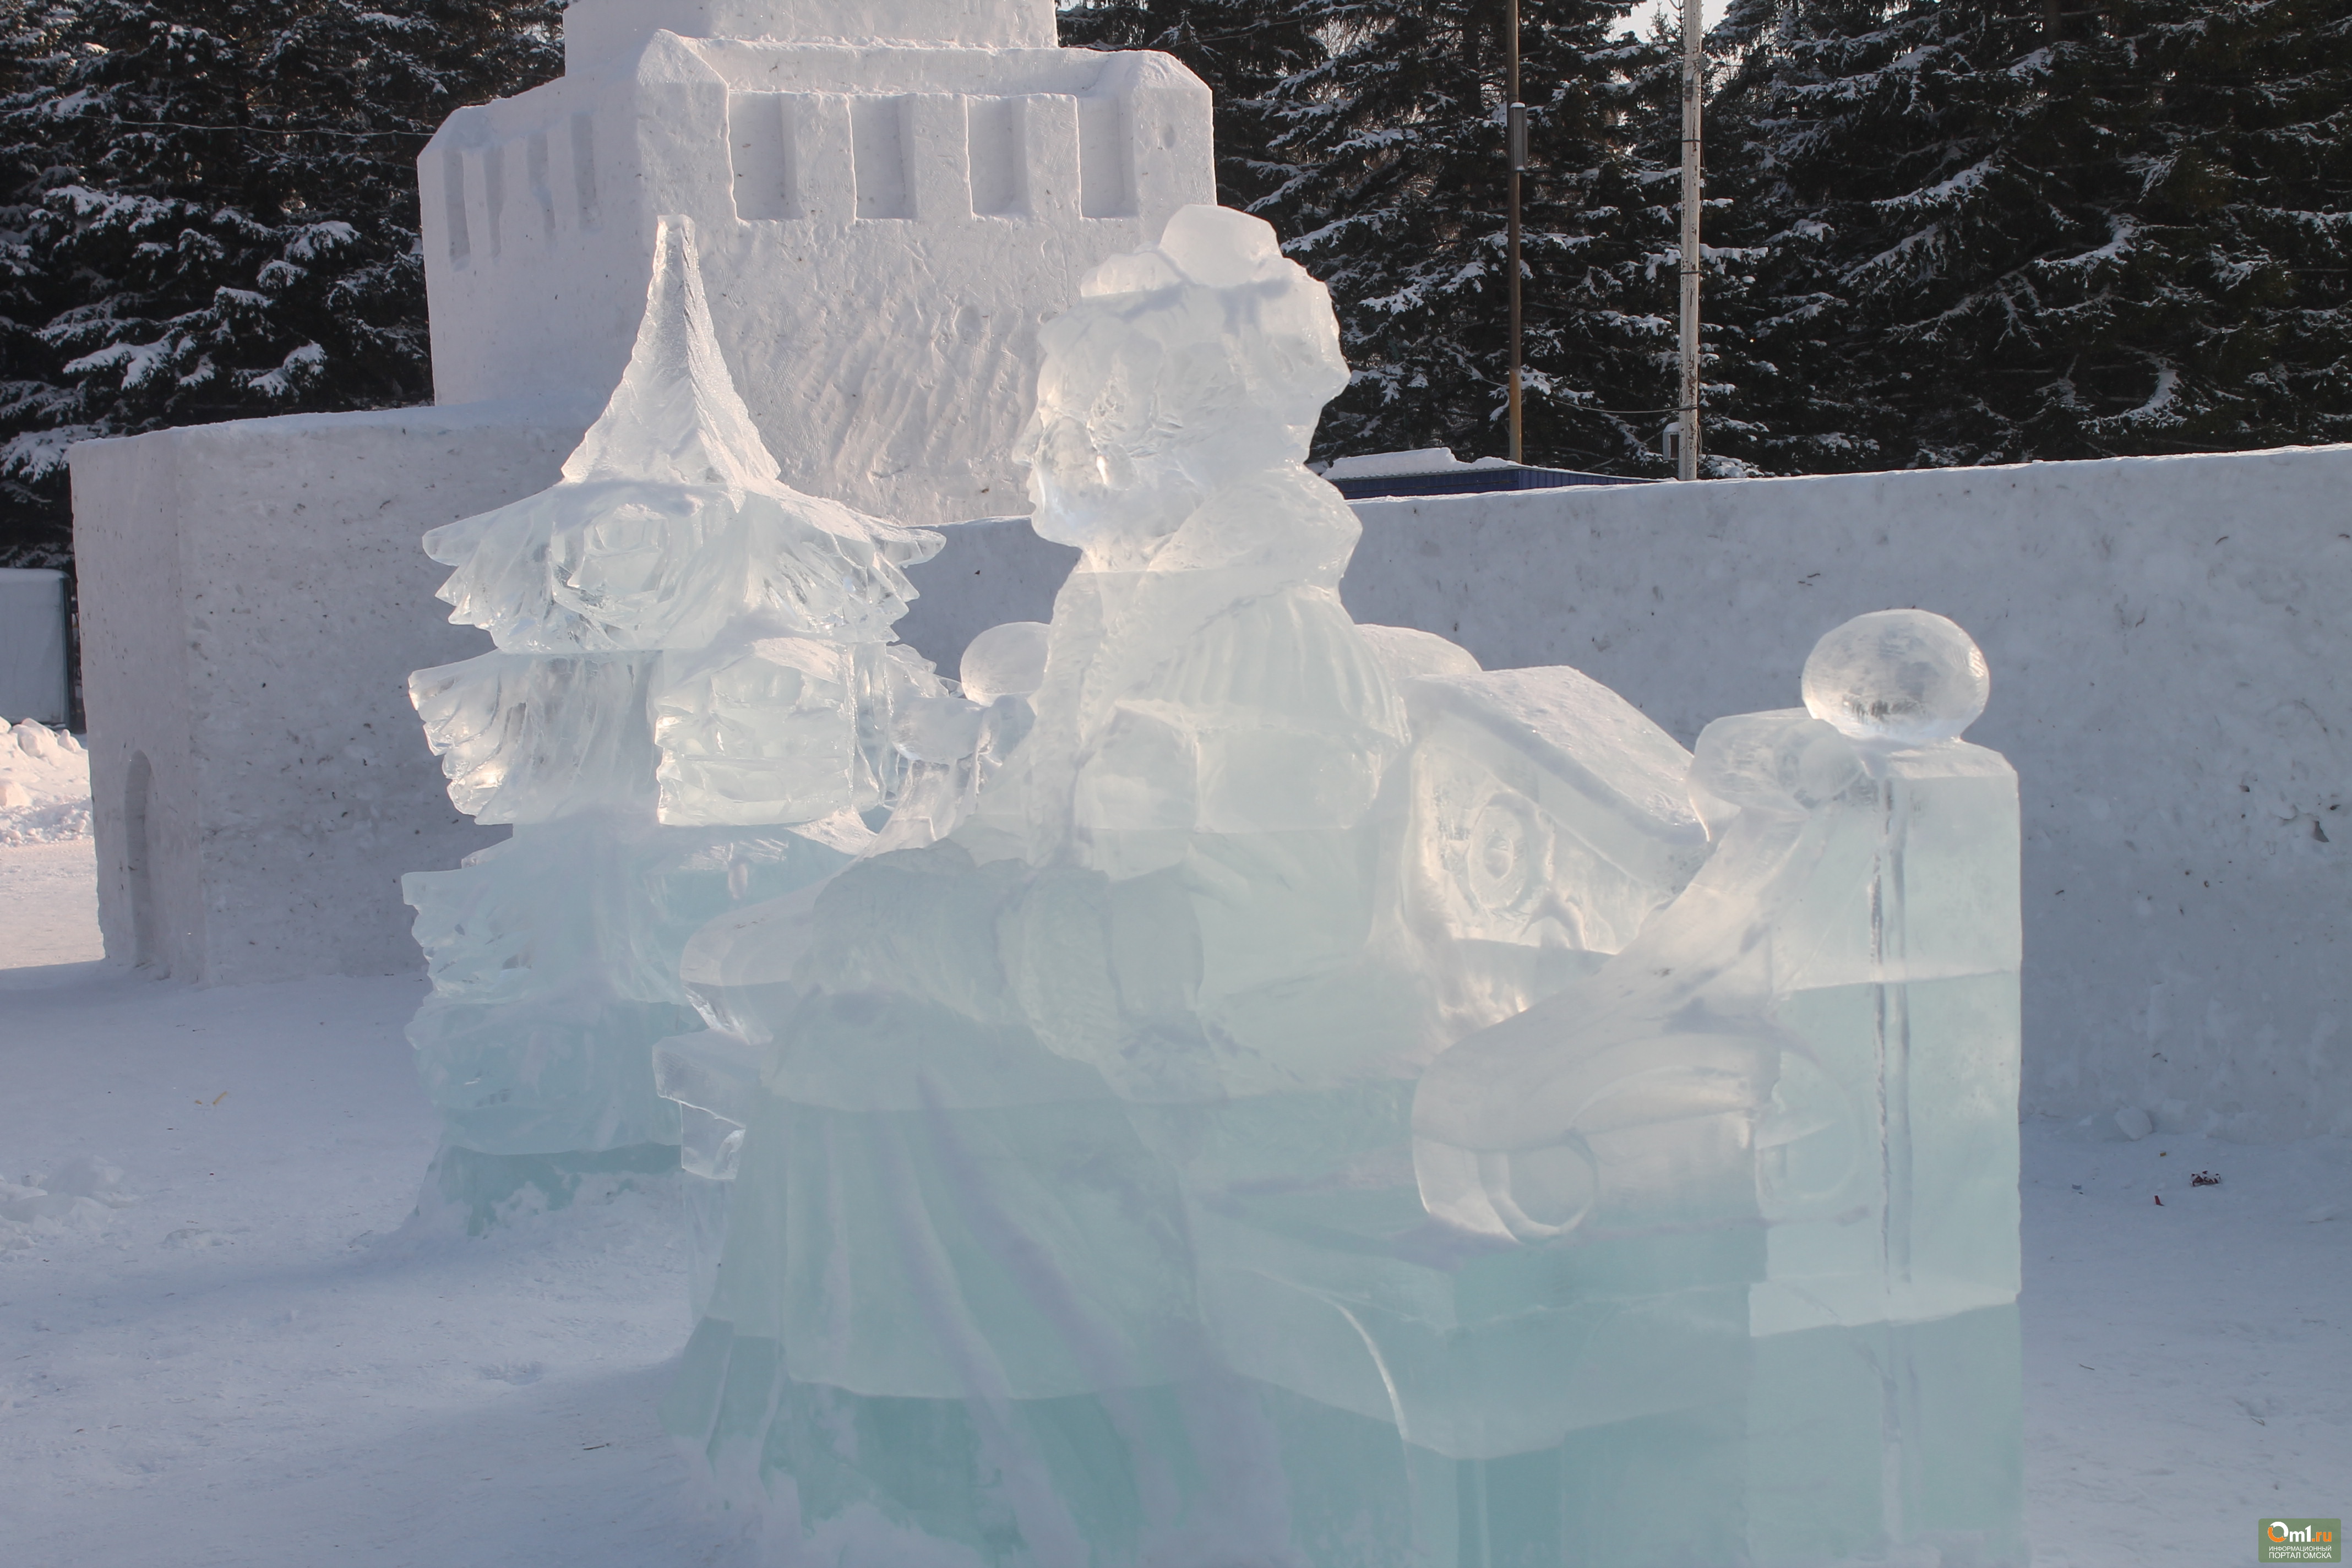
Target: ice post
{"x":1275,"y":1092}
{"x":686,"y":710}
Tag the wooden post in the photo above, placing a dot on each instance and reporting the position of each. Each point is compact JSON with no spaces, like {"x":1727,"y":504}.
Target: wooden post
{"x":1694,"y":86}
{"x":1515,"y":138}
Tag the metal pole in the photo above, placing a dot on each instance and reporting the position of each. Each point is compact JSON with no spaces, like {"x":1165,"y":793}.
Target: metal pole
{"x":1694,"y":83}
{"x":1515,"y":135}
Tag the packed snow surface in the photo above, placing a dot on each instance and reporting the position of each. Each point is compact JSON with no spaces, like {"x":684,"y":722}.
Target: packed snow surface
{"x":265,"y":1359}
{"x":44,"y":785}
{"x":48,"y":905}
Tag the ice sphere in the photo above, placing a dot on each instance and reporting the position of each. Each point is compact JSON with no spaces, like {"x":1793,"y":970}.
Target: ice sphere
{"x":1273,"y":1091}
{"x":1902,"y":677}
{"x":1007,"y":660}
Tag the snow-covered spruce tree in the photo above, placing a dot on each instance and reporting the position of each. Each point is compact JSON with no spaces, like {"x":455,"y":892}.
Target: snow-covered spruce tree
{"x":2230,"y":319}
{"x":33,"y":529}
{"x":2001,"y":231}
{"x":1917,"y":177}
{"x":210,"y":212}
{"x":1242,"y":50}
{"x":1398,"y":203}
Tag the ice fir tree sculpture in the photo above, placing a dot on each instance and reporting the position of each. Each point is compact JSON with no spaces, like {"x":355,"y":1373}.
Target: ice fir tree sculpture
{"x":1277,"y":1092}
{"x":687,"y":708}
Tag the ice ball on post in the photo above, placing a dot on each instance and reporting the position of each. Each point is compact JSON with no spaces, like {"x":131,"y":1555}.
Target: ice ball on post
{"x":1896,"y":678}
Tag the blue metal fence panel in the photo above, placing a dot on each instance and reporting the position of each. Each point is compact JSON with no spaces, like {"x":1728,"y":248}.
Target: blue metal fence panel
{"x":36,"y":664}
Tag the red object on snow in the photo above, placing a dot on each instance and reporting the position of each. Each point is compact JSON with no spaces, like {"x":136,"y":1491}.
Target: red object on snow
{"x":2160,"y":1200}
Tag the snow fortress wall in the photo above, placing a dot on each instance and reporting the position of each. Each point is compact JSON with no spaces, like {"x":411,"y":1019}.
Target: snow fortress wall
{"x":253,"y":597}
{"x":883,"y":222}
{"x":2167,"y":647}
{"x":2164,"y":637}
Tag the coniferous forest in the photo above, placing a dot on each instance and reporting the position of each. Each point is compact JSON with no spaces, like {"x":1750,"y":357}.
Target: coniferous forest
{"x":208,"y":211}
{"x":1938,"y":232}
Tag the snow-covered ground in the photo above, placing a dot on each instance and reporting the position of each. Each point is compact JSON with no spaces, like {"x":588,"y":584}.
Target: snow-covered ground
{"x":49,"y":906}
{"x":49,"y":870}
{"x":243,"y":1350}
{"x":44,"y":785}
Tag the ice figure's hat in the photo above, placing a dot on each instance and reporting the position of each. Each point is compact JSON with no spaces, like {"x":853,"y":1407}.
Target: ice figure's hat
{"x":1228,"y":332}
{"x":675,"y":418}
{"x":1216,"y":247}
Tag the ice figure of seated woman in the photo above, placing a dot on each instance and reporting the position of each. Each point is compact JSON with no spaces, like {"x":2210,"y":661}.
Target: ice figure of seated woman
{"x":979,"y":1064}
{"x":1201,"y":795}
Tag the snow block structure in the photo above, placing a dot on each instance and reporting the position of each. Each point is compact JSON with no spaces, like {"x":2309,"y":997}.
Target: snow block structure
{"x":890,"y":196}
{"x":890,"y":199}
{"x":255,"y":789}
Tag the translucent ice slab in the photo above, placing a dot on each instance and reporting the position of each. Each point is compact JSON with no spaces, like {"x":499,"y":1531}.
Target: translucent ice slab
{"x":554,"y":961}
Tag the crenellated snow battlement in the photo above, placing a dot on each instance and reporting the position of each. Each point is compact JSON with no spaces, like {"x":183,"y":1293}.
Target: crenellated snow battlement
{"x":884,"y":223}
{"x":596,"y":30}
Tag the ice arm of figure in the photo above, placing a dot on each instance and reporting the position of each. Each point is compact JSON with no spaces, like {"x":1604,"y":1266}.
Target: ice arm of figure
{"x":953,"y":747}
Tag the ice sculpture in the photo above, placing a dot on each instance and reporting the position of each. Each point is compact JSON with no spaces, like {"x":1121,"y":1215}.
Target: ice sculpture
{"x":687,"y":708}
{"x":1275,"y":1092}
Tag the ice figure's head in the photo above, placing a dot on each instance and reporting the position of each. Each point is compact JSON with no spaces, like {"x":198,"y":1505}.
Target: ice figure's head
{"x":1897,"y":677}
{"x":1183,"y":366}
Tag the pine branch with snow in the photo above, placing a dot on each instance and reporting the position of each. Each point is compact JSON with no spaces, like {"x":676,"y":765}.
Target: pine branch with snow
{"x":208,"y":211}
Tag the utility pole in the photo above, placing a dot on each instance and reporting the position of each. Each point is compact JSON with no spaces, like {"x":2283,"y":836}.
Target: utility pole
{"x":1694,"y":86}
{"x":1515,"y":131}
